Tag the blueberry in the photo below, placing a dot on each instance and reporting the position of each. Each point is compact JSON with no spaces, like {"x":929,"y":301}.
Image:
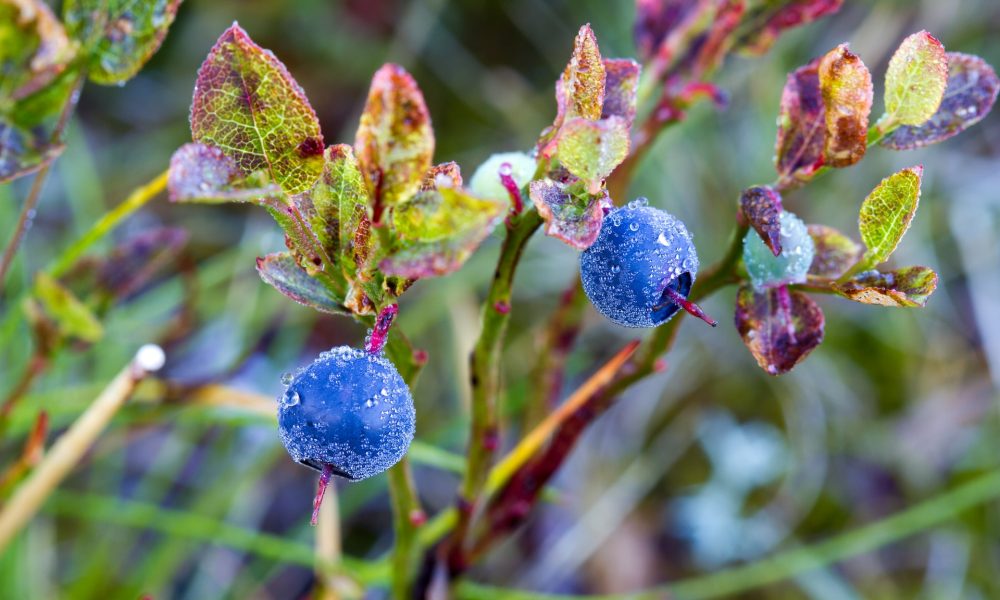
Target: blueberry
{"x":640,"y":270}
{"x":349,"y":413}
{"x":791,"y":266}
{"x":485,"y":182}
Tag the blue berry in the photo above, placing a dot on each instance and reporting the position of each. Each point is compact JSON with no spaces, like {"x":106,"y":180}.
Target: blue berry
{"x":791,"y":266}
{"x":349,"y":411}
{"x":639,"y":271}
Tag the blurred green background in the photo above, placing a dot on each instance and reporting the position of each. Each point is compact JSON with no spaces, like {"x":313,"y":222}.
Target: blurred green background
{"x":709,"y":463}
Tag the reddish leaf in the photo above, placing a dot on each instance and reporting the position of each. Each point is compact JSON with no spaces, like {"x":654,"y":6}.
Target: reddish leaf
{"x":761,"y":206}
{"x":574,"y":218}
{"x":584,"y":79}
{"x":971,"y":92}
{"x":136,"y":261}
{"x":447,"y":175}
{"x":801,"y":124}
{"x":834,"y":253}
{"x":712,"y":47}
{"x":249,"y":106}
{"x":657,"y":19}
{"x":786,"y":16}
{"x":779,"y":327}
{"x":395,"y":140}
{"x":200,"y":173}
{"x":282,"y":273}
{"x":847,"y":91}
{"x":909,"y":287}
{"x":621,"y":84}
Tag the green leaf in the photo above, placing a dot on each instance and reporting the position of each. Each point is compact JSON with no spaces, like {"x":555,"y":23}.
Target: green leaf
{"x":971,"y":92}
{"x":281,"y":272}
{"x":395,"y":140}
{"x":338,"y":193}
{"x":886,"y":214}
{"x":247,"y":105}
{"x":909,"y":287}
{"x":834,"y":252}
{"x":591,"y":150}
{"x":583,"y":80}
{"x":761,"y":205}
{"x":570,"y":213}
{"x":205,"y":174}
{"x":779,"y":327}
{"x":71,"y":316}
{"x":915,"y":80}
{"x":119,"y":35}
{"x":35,"y":86}
{"x":437,"y":231}
{"x":847,"y":91}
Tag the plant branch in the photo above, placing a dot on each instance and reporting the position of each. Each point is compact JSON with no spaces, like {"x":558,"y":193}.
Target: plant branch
{"x":27,"y":214}
{"x":73,"y":445}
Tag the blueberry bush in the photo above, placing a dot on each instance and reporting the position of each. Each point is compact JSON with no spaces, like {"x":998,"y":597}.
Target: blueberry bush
{"x":370,"y":213}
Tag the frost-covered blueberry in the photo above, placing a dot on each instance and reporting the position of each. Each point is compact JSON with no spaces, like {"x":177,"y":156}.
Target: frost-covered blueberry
{"x":639,"y":271}
{"x":485,"y":182}
{"x":349,"y":411}
{"x":791,"y":266}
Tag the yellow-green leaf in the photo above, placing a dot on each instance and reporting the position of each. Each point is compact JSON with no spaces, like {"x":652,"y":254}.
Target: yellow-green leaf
{"x":249,"y":106}
{"x":915,"y":80}
{"x":907,"y":287}
{"x":886,"y":213}
{"x":71,"y":316}
{"x":395,"y":139}
{"x":584,"y":78}
{"x":591,"y":150}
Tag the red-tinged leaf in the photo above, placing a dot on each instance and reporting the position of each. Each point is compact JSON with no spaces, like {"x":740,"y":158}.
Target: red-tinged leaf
{"x":715,"y":43}
{"x":656,"y":20}
{"x":834,"y":253}
{"x":846,"y":86}
{"x":915,"y":80}
{"x":395,"y":140}
{"x":281,"y":272}
{"x":886,"y":213}
{"x":591,"y":150}
{"x":570,"y":213}
{"x":249,"y":106}
{"x":801,"y":125}
{"x":779,"y":327}
{"x":621,"y":85}
{"x":761,"y":206}
{"x":446,"y":175}
{"x":584,"y":79}
{"x":971,"y":92}
{"x":119,"y":35}
{"x":134,"y":263}
{"x":438,"y":230}
{"x":778,"y":17}
{"x":205,"y":174}
{"x":908,"y":287}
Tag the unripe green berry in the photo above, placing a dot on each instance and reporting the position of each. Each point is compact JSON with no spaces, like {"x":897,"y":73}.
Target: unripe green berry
{"x":791,"y":266}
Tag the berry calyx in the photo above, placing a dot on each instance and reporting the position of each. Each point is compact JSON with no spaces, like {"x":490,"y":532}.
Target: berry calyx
{"x":639,"y":271}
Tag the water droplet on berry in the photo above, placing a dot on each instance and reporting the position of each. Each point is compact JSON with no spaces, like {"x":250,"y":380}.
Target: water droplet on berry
{"x":286,"y":378}
{"x":292,"y":399}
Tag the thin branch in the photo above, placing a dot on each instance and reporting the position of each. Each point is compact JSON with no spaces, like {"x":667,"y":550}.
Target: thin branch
{"x":74,"y":443}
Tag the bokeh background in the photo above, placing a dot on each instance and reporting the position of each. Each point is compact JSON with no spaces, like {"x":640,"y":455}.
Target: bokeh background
{"x":707,"y":464}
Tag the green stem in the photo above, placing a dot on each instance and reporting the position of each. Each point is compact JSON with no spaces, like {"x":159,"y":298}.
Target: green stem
{"x":485,"y":369}
{"x":407,"y":516}
{"x":736,"y":581}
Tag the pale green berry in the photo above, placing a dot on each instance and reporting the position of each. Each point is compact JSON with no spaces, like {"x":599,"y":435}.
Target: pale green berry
{"x":485,"y":182}
{"x":797,"y":248}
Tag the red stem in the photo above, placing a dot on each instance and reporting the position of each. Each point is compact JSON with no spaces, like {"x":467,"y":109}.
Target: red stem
{"x":692,"y":308}
{"x":507,"y":179}
{"x":324,"y":481}
{"x":380,"y":333}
